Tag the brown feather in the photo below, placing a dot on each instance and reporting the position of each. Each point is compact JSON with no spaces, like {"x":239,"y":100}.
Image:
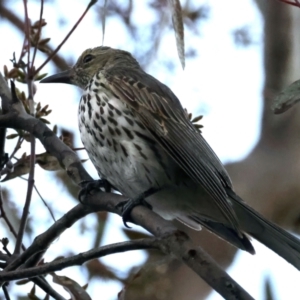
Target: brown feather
{"x":162,"y":114}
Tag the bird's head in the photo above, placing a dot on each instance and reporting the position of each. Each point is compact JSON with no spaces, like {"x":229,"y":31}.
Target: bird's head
{"x":90,"y":62}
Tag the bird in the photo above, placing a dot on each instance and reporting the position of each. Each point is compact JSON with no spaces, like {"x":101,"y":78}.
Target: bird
{"x":142,"y":142}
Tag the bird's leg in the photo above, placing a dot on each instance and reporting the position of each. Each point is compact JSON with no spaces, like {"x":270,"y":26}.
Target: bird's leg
{"x":89,"y":185}
{"x":127,"y":206}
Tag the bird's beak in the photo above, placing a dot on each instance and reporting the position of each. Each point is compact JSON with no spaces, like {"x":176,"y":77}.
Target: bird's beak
{"x":63,"y":77}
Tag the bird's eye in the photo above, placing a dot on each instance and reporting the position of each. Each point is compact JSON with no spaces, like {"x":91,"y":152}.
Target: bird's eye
{"x":88,"y":58}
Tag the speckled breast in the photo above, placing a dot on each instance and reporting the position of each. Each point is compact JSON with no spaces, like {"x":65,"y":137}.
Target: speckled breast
{"x":118,"y":144}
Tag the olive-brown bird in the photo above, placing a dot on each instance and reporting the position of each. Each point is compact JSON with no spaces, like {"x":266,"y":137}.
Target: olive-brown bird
{"x":142,"y":142}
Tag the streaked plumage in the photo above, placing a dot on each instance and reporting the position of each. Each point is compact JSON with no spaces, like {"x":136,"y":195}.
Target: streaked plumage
{"x":138,"y":136}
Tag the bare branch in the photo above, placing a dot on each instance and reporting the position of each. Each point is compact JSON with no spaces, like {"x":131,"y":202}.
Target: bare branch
{"x":44,"y":285}
{"x":30,"y":185}
{"x":59,"y":264}
{"x":174,"y":242}
{"x":6,"y":219}
{"x":92,"y":2}
{"x":59,"y":61}
{"x":5,"y":292}
{"x":17,"y":118}
{"x":38,"y":34}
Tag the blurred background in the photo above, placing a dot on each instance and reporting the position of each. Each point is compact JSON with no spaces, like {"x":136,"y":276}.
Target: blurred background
{"x":239,"y":55}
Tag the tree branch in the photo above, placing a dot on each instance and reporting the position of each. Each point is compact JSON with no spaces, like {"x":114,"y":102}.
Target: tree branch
{"x":173,"y":241}
{"x":58,"y":60}
{"x":91,"y":3}
{"x":17,"y":118}
{"x":79,"y":259}
{"x":46,"y":287}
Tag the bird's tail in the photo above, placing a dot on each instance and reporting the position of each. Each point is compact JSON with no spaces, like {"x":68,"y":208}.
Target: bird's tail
{"x":271,"y":235}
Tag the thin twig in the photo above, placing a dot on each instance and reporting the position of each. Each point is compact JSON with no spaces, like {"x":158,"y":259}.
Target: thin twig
{"x":17,"y":147}
{"x":3,"y":156}
{"x":22,"y":51}
{"x":46,"y":287}
{"x":79,"y":259}
{"x":2,"y":143}
{"x":92,"y":2}
{"x":45,"y":203}
{"x":15,"y":21}
{"x":44,"y":240}
{"x":5,"y":292}
{"x":5,"y":246}
{"x":43,"y":200}
{"x":27,"y":34}
{"x":5,"y":218}
{"x":32,"y":140}
{"x":39,"y":281}
{"x":28,"y":197}
{"x":38,"y":34}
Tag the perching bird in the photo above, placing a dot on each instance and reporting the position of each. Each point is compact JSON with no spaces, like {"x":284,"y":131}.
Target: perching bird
{"x":142,"y":142}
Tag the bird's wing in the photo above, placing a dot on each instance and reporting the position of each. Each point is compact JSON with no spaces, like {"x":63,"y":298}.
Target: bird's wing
{"x":162,"y":114}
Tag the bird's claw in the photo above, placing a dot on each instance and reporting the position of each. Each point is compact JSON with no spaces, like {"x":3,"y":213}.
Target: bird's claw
{"x":89,"y":185}
{"x":127,"y":206}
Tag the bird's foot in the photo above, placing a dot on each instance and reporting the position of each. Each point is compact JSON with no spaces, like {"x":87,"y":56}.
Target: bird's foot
{"x":89,"y":185}
{"x":127,"y":206}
